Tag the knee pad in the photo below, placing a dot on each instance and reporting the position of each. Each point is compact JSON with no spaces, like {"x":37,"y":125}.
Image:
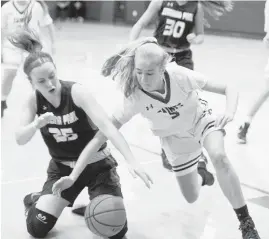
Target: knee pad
{"x":39,"y":223}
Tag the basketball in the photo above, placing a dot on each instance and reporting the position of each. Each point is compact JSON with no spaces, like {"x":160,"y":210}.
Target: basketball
{"x":105,"y":215}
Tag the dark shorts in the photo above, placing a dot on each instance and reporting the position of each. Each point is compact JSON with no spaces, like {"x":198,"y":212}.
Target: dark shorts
{"x":100,"y":178}
{"x":184,"y":58}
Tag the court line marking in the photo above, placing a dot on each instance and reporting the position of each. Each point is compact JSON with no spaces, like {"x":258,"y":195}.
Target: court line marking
{"x":143,"y":163}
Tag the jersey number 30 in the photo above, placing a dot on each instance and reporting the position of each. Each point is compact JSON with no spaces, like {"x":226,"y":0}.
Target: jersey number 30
{"x":63,"y":135}
{"x":174,"y":28}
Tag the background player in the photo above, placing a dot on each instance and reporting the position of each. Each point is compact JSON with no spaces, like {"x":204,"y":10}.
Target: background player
{"x":166,"y":95}
{"x":264,"y":94}
{"x":67,"y":115}
{"x":17,"y":14}
{"x":180,"y":24}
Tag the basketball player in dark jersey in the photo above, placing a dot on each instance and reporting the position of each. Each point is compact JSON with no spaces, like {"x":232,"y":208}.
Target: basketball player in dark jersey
{"x":66,"y":116}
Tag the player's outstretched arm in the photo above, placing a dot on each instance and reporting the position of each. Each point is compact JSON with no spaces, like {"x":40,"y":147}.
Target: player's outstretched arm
{"x":83,"y":98}
{"x":197,"y":37}
{"x":231,"y":100}
{"x":150,"y":14}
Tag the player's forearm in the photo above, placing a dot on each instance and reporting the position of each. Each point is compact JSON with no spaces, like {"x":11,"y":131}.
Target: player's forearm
{"x":51,"y":31}
{"x":231,"y":100}
{"x":135,"y":32}
{"x":85,"y":157}
{"x":25,"y":134}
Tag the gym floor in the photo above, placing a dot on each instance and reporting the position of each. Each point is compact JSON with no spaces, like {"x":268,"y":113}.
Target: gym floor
{"x":160,"y":212}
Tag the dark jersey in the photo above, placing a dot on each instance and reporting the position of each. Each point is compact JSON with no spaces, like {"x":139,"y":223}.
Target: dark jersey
{"x":71,"y":129}
{"x":175,"y":22}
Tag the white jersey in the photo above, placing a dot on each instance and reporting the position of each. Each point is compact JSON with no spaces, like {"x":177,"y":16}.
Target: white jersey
{"x":14,"y":17}
{"x":177,"y":111}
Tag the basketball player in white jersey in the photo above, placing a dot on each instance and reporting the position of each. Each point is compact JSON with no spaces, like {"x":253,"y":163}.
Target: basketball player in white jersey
{"x":264,"y":94}
{"x":180,"y":24}
{"x":17,"y":14}
{"x":166,"y":95}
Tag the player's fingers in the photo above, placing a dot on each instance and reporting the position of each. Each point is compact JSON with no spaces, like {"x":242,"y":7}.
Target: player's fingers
{"x":149,"y":178}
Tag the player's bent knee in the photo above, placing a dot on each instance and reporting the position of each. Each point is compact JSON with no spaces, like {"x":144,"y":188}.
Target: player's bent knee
{"x":39,"y":223}
{"x":220,"y":160}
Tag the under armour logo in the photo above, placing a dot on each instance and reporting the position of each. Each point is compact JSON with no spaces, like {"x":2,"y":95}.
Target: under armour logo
{"x":170,"y":4}
{"x":41,"y":218}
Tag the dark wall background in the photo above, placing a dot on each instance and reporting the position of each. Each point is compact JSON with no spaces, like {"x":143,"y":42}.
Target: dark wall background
{"x":246,"y":18}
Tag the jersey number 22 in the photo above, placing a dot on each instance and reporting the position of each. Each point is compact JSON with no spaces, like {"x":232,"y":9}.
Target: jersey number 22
{"x":63,"y":135}
{"x":174,"y":28}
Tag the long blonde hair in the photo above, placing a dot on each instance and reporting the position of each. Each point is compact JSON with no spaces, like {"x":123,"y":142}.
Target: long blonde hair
{"x":121,"y":66}
{"x":216,"y":9}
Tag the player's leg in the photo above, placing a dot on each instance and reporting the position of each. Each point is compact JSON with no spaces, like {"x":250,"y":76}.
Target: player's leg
{"x":229,"y":181}
{"x":43,"y":209}
{"x":104,"y":180}
{"x":11,"y":59}
{"x":263,"y":95}
{"x":183,"y":154}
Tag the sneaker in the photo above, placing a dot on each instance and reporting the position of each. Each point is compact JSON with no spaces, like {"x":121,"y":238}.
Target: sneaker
{"x":242,"y":133}
{"x":79,"y":211}
{"x":208,"y":178}
{"x":29,"y":200}
{"x":166,"y":163}
{"x":248,"y":229}
{"x":3,"y":107}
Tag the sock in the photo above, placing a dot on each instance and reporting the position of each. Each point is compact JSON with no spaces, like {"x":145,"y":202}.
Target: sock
{"x":248,"y":119}
{"x":242,"y":213}
{"x":3,"y":98}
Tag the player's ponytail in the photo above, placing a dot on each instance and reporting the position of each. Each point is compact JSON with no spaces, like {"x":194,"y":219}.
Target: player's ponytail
{"x":216,"y":8}
{"x":26,"y":40}
{"x":29,"y":41}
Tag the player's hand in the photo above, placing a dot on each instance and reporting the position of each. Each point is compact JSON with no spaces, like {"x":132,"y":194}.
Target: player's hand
{"x":136,"y":170}
{"x":266,"y":40}
{"x":222,"y":120}
{"x":191,"y":38}
{"x":62,"y":184}
{"x":44,"y":119}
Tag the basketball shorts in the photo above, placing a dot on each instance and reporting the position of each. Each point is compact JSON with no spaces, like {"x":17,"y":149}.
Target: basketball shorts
{"x":184,"y":58}
{"x":183,"y":151}
{"x":12,"y":57}
{"x":100,"y":177}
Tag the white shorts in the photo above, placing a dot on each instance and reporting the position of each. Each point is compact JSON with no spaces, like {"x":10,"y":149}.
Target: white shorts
{"x":12,"y":57}
{"x":183,"y":151}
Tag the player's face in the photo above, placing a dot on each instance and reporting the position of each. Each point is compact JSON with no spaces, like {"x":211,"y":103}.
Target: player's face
{"x":44,"y":79}
{"x":148,"y":74}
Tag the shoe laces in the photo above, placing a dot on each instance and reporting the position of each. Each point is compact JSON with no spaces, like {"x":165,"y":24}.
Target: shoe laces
{"x":248,"y":228}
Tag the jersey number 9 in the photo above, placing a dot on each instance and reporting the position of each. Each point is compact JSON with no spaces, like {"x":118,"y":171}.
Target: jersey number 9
{"x":63,"y":135}
{"x":174,"y":28}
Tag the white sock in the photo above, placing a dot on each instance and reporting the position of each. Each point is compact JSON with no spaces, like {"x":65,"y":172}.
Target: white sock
{"x":3,"y":98}
{"x":248,"y":119}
